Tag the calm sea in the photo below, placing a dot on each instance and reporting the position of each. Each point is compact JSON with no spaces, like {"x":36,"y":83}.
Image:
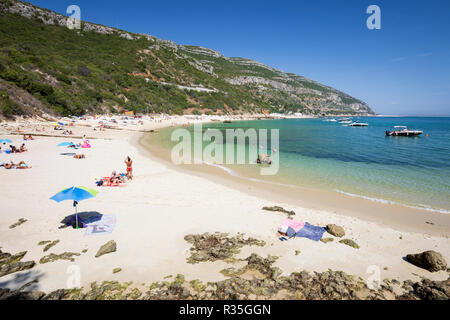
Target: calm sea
{"x":357,"y":161}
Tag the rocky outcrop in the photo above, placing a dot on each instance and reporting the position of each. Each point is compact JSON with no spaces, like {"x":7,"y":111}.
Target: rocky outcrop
{"x":18,"y":223}
{"x":430,"y":260}
{"x":350,"y":242}
{"x":12,"y":263}
{"x":335,"y":230}
{"x":48,"y":244}
{"x":108,"y":247}
{"x":258,"y":279}
{"x":426,"y":290}
{"x":274,"y":84}
{"x":55,"y":257}
{"x":217,"y":246}
{"x":279,"y":209}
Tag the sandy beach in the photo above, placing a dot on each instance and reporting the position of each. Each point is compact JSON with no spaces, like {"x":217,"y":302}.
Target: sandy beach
{"x":164,"y":203}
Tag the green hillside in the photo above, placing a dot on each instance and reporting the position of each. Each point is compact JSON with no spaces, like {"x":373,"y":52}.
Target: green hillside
{"x":46,"y":67}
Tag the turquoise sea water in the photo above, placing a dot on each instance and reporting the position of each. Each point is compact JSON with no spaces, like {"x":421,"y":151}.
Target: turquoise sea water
{"x":359,"y":161}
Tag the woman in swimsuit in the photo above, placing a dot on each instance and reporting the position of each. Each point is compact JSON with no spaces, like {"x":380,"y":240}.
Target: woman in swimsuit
{"x":129,"y":164}
{"x":22,"y":165}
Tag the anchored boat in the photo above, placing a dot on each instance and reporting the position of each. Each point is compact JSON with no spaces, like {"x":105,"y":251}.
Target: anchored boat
{"x":358,"y":124}
{"x":403,"y":131}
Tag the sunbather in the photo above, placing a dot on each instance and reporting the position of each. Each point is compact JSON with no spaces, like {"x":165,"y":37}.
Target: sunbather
{"x":117,"y":177}
{"x":79,"y":156}
{"x":22,"y":165}
{"x":22,"y":148}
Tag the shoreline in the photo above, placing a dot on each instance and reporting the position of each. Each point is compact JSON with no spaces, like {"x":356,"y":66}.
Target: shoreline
{"x":392,"y":215}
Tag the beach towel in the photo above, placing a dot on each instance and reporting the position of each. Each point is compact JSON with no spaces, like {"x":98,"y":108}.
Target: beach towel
{"x":311,"y":232}
{"x":103,"y":226}
{"x":290,"y":232}
{"x":296,"y":225}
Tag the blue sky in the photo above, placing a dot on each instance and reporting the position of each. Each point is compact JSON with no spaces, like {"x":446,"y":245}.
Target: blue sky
{"x":404,"y":68}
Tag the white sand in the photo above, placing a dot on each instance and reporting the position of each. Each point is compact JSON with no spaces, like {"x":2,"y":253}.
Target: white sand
{"x":158,"y":208}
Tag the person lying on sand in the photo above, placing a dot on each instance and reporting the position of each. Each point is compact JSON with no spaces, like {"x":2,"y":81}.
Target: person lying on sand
{"x":22,"y":165}
{"x":25,"y":138}
{"x":116,"y":178}
{"x":22,"y":148}
{"x":8,"y":165}
{"x":79,"y":156}
{"x":13,"y":149}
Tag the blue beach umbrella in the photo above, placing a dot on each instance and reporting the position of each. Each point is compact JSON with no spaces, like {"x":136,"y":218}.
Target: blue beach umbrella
{"x":66,"y":144}
{"x":76,"y":194}
{"x":5,"y":141}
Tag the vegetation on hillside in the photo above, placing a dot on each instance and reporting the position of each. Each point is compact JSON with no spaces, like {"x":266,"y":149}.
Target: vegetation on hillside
{"x":72,"y":72}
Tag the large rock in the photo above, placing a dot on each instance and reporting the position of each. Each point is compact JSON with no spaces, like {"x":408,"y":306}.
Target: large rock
{"x":350,"y":243}
{"x":16,"y":267}
{"x":11,"y":263}
{"x":335,"y":230}
{"x":54,"y":257}
{"x":430,"y":260}
{"x":108,"y":247}
{"x":426,"y":290}
{"x":217,"y":246}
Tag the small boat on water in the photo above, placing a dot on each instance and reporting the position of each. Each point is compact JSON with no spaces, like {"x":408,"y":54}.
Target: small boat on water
{"x":330,"y":120}
{"x":345,"y":121}
{"x":403,"y":131}
{"x":358,"y":124}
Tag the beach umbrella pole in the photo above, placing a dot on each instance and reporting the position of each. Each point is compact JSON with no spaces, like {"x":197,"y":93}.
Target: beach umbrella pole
{"x":75,"y":204}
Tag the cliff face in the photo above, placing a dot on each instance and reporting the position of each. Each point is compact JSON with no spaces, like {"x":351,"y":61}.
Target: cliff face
{"x":102,"y":69}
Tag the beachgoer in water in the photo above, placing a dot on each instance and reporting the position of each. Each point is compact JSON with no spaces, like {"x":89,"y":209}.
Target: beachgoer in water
{"x":129,"y":164}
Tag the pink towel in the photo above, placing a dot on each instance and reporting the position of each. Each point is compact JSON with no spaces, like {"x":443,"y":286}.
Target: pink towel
{"x":296,"y":225}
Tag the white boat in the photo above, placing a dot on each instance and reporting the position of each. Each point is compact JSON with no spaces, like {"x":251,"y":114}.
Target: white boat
{"x":358,"y":124}
{"x":330,"y":120}
{"x":403,"y":131}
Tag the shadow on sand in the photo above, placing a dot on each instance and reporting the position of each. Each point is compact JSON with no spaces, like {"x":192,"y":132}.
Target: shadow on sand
{"x":83,"y":219}
{"x":27,"y":281}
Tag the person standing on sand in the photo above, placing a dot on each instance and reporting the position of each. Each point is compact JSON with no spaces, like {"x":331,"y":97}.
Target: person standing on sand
{"x":129,"y":164}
